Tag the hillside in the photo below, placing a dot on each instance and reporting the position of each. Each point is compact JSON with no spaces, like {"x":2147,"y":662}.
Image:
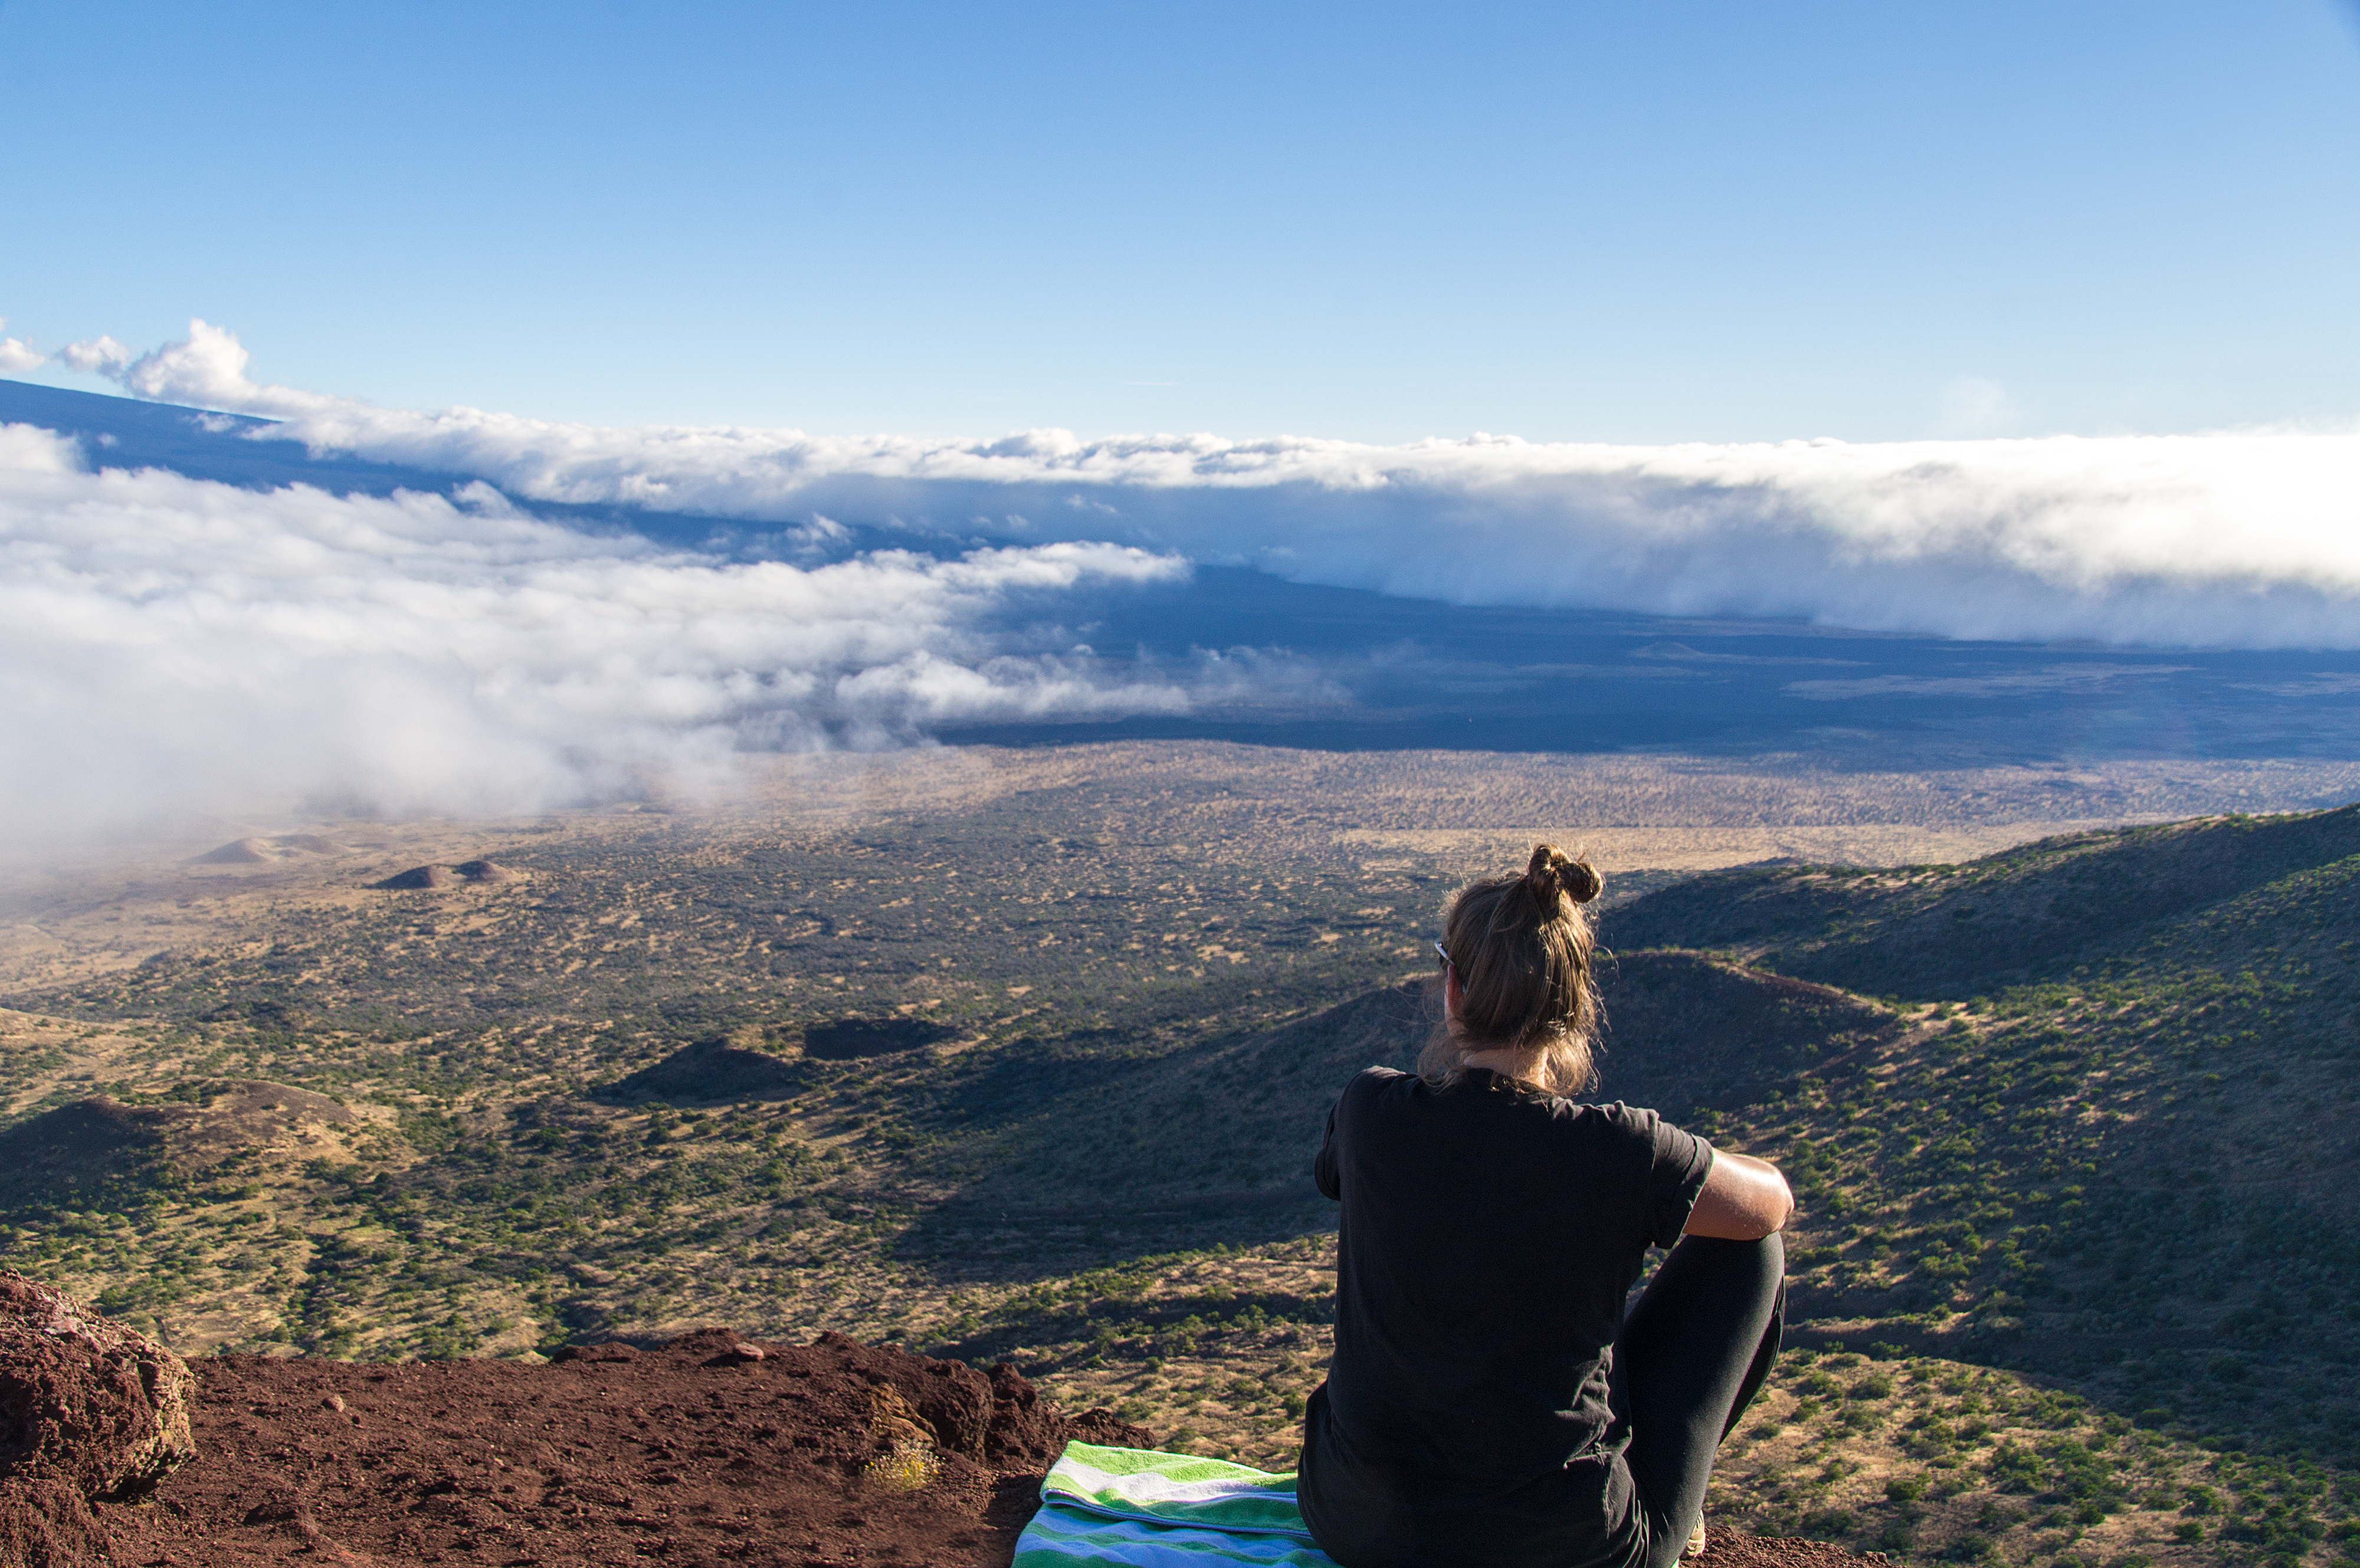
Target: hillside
{"x":2046,"y":910}
{"x":2069,"y":1185}
{"x":786,"y":1063}
{"x":1036,"y":1073}
{"x":2120,"y":1124}
{"x":2099,"y":1157}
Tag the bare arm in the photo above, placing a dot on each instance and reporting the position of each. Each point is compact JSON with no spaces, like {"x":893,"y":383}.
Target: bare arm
{"x":1744,"y":1199}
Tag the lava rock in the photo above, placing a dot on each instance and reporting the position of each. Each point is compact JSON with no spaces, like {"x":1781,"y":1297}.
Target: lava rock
{"x":90,"y":1412}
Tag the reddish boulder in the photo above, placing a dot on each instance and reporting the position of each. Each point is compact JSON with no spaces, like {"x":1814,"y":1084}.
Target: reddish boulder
{"x":88,"y":1411}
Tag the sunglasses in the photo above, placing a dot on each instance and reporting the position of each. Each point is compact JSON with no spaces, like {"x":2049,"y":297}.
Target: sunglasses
{"x":1445,"y":953}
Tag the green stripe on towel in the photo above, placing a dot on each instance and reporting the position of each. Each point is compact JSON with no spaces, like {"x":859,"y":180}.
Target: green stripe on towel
{"x":1128,"y":1507}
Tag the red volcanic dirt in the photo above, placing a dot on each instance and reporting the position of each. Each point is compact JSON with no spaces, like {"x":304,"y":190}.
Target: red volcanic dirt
{"x":694,"y":1454}
{"x":706,"y":1451}
{"x":1733,"y":1549}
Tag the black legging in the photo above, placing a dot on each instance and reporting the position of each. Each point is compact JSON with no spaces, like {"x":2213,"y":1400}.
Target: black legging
{"x":1694,"y":1351}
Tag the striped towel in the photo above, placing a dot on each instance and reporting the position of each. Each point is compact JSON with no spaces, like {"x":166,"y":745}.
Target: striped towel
{"x":1128,"y":1508}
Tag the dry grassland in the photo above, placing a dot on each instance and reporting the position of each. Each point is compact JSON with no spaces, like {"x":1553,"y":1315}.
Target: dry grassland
{"x":1072,"y":924}
{"x":1453,"y":813}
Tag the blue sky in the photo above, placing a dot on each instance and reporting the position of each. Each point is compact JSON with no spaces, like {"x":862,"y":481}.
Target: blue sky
{"x":1712,"y":221}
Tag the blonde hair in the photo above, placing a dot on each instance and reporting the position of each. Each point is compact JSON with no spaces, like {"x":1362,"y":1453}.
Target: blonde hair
{"x":1521,"y":946}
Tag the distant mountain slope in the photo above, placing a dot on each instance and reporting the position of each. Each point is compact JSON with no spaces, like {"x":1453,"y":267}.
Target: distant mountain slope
{"x":127,"y":433}
{"x":237,"y":449}
{"x":1947,"y":932}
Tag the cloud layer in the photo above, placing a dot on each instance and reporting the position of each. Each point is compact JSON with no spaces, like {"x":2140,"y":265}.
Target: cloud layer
{"x":168,"y":645}
{"x":174,"y":644}
{"x":2234,"y":539}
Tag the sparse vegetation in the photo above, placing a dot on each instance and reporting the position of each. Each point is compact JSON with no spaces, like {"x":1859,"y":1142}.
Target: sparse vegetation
{"x":2061,"y":1296}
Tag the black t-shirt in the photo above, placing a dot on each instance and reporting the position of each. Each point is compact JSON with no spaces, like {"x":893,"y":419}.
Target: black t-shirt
{"x":1489,"y":1236}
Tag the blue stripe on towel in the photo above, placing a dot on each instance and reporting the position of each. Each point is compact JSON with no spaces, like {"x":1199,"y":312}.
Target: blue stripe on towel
{"x":1128,"y":1508}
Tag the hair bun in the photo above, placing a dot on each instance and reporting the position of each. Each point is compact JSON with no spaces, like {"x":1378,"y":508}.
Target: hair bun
{"x":1553,"y":872}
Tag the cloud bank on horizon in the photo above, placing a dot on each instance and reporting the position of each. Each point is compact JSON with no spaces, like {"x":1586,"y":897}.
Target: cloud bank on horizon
{"x":2228,"y":539}
{"x":174,"y":644}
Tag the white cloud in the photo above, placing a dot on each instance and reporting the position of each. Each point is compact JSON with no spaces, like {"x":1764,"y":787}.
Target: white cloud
{"x":101,"y":355}
{"x":204,"y":370}
{"x":168,"y":645}
{"x":2238,"y":539}
{"x":207,"y":369}
{"x":2235,"y":539}
{"x":16,"y":355}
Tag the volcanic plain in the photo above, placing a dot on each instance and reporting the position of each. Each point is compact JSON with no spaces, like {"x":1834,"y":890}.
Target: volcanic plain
{"x":1021,"y":1055}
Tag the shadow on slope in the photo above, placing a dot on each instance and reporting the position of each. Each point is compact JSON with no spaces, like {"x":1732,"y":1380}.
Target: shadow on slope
{"x":1688,"y":1032}
{"x":99,"y":1151}
{"x":709,"y":1071}
{"x":717,"y":1069}
{"x":1122,"y":1156}
{"x":850,"y":1039}
{"x":1217,"y":1141}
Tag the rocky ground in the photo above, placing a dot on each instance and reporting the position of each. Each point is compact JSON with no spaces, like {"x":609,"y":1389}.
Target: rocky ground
{"x":709,"y":1449}
{"x":692,"y":1455}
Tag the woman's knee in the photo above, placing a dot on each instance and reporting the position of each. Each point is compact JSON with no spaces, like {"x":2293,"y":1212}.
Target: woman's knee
{"x":1760,"y":1263}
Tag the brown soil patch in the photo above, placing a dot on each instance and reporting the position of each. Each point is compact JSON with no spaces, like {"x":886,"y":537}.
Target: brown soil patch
{"x":1733,"y":1549}
{"x":705,"y":1451}
{"x":267,"y":851}
{"x":709,"y":1449}
{"x":310,"y":843}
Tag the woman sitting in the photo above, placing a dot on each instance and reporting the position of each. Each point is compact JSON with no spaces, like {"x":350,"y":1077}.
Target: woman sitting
{"x":1489,"y":1402}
